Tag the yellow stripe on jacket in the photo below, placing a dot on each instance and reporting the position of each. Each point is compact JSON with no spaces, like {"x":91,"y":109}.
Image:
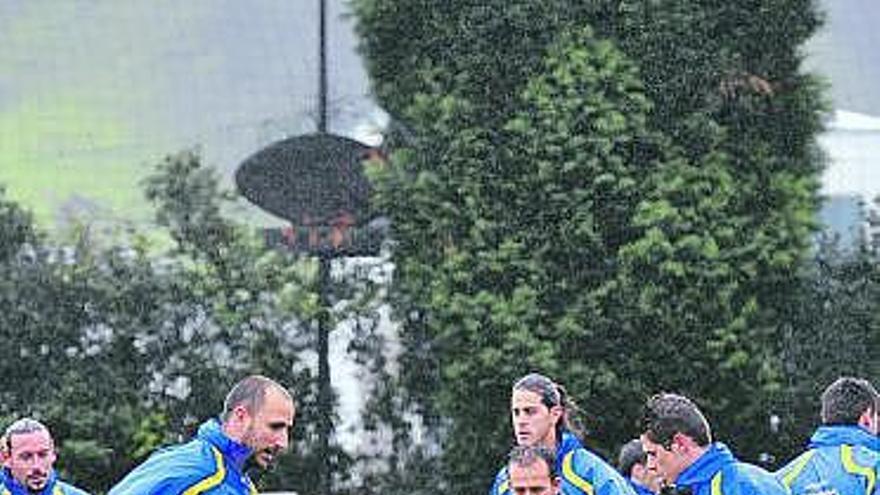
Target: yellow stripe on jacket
{"x":569,"y":475}
{"x":799,"y":466}
{"x":849,"y":463}
{"x":716,"y":484}
{"x":211,"y":481}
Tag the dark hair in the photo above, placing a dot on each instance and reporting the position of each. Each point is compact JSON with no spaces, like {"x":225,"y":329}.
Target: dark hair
{"x":667,"y":414}
{"x":526,"y":455}
{"x":552,"y":394}
{"x":251,"y":393}
{"x":845,"y":400}
{"x":631,"y":454}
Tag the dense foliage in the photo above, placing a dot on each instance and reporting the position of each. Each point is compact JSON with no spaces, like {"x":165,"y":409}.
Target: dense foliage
{"x":627,"y":208}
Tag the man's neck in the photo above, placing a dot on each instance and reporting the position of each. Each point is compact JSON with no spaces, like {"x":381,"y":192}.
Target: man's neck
{"x":550,"y":441}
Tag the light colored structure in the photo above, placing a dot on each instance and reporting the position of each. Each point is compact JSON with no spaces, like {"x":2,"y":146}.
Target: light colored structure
{"x":844,"y":53}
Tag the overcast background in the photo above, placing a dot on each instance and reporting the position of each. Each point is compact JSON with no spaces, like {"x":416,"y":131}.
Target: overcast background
{"x":94,"y":92}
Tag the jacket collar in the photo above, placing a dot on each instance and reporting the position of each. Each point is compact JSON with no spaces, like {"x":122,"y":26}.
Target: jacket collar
{"x":16,"y":488}
{"x":234,"y":452}
{"x":832,"y":436}
{"x":702,"y":470}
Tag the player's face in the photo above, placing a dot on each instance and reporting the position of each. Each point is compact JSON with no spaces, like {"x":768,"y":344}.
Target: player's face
{"x":667,"y":463}
{"x":30,"y":460}
{"x":269,"y":431}
{"x":533,"y":422}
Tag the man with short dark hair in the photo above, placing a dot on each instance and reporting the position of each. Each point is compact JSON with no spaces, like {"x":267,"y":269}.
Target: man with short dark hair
{"x":253,"y":428}
{"x":28,"y":459}
{"x":531,"y":472}
{"x":633,"y":465}
{"x":678,"y":442}
{"x":843,"y":455}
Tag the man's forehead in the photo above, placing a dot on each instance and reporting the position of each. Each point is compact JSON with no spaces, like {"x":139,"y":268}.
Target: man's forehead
{"x":525,"y":398}
{"x":277,"y":395}
{"x":533,"y":470}
{"x":277,"y":403}
{"x":31,"y":440}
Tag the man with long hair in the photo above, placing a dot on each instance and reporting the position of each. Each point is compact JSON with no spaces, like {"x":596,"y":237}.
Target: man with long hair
{"x":541,"y":411}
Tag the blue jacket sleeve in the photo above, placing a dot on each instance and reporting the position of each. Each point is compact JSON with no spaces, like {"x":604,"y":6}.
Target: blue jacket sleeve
{"x":169,"y":472}
{"x":748,"y":479}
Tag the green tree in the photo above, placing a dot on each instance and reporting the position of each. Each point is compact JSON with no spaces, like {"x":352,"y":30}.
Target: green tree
{"x":503,"y":238}
{"x":627,"y":216}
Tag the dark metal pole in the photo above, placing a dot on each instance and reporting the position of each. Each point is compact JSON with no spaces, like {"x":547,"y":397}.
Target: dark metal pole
{"x":325,"y":397}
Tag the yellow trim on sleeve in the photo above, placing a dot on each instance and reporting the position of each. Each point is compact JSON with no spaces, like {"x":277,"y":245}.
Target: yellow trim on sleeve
{"x":502,"y":488}
{"x":57,"y":490}
{"x":716,"y":484}
{"x":569,"y":475}
{"x":796,"y":469}
{"x":253,"y":488}
{"x":849,"y":463}
{"x":211,"y":481}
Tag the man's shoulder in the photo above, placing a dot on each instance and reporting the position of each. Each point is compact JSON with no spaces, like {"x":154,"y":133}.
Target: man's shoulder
{"x":582,"y":460}
{"x":745,"y":479}
{"x":589,"y":473}
{"x":828,"y":461}
{"x":194,"y":455}
{"x":865,"y":456}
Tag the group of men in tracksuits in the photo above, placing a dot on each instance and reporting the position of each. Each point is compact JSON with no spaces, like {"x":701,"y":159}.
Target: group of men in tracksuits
{"x":676,"y":454}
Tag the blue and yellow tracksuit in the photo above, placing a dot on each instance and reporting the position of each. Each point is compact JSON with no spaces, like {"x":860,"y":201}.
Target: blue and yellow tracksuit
{"x":582,"y":472}
{"x":718,"y":472}
{"x":211,"y":463}
{"x":839,"y":459}
{"x":54,"y":486}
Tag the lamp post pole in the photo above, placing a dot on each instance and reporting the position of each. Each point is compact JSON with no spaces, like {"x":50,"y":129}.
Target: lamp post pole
{"x":325,"y":397}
